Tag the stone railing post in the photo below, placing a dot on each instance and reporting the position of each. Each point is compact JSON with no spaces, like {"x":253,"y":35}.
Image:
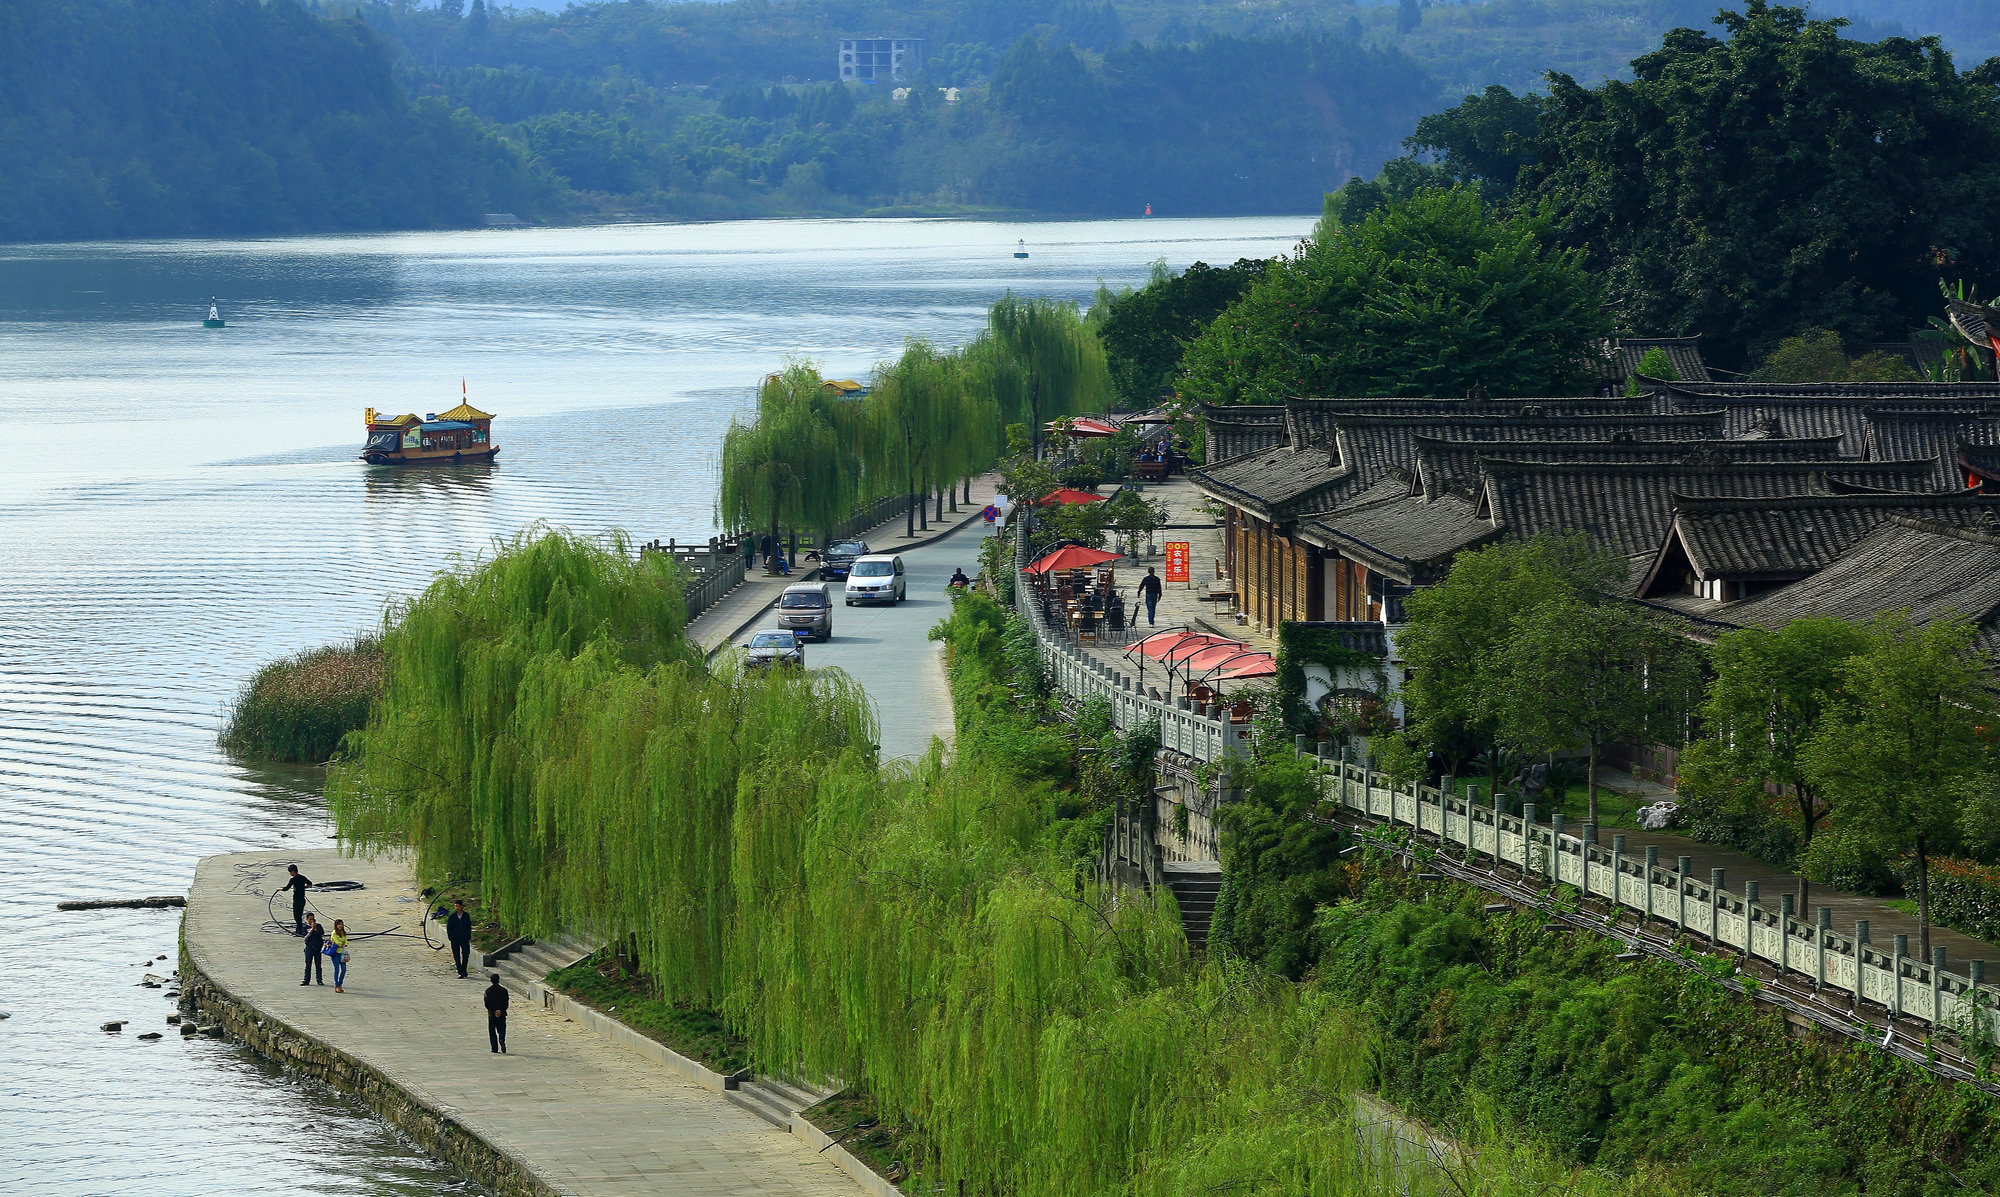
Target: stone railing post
{"x":1555,"y":846}
{"x":1652,"y":862}
{"x":1715,"y":877}
{"x":1786,"y":904}
{"x":1750,"y":889}
{"x":1617,"y":874}
{"x":1528,"y":838}
{"x":1823,"y":931}
{"x":1896,"y":975}
{"x":1683,"y":865}
{"x":1937,"y":986}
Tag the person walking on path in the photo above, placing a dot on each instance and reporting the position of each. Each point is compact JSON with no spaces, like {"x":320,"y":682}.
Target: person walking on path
{"x":297,"y":884}
{"x":1149,"y":589}
{"x":339,"y":945}
{"x":766,"y":546}
{"x":315,"y":940}
{"x":458,"y":929}
{"x":496,"y":1016}
{"x":749,"y":552}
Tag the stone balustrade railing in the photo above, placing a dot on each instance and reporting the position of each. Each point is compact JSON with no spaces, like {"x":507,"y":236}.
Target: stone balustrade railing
{"x":1925,"y":991}
{"x":1205,"y":733}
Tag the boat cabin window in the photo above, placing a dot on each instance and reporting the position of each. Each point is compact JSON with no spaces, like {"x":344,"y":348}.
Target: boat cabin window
{"x":873,"y":569}
{"x":803,"y":598}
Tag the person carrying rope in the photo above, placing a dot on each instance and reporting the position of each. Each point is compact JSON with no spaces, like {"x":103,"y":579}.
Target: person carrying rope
{"x":298,"y":884}
{"x":458,"y":929}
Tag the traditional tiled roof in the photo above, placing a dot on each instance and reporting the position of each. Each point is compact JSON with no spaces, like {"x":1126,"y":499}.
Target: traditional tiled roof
{"x":1410,"y":539}
{"x":1784,"y":538}
{"x":1282,"y":483}
{"x":1236,"y":431}
{"x":1275,"y":482}
{"x":1629,"y":506}
{"x":1452,"y":463}
{"x":1933,"y":434}
{"x":1817,"y":409}
{"x":1977,"y":462}
{"x":1307,"y":420}
{"x":465,"y":411}
{"x":1619,"y":357}
{"x":1930,"y":568}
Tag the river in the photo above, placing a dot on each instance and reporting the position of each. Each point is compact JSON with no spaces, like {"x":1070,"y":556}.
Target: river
{"x":178,"y":506}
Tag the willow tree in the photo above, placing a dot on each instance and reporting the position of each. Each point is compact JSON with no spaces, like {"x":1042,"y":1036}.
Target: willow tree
{"x":1040,"y":362}
{"x":794,"y":461}
{"x":907,"y":421}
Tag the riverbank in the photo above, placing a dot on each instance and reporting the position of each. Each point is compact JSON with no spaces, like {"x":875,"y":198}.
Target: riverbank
{"x":564,"y":1112}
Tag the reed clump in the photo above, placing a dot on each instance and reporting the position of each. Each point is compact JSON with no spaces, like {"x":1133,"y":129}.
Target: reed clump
{"x":299,"y":708}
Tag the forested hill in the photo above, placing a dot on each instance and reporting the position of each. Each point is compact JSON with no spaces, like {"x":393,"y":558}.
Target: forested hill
{"x":164,"y":117}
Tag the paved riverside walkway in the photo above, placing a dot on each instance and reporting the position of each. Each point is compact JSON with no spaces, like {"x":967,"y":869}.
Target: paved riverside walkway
{"x":582,"y":1115}
{"x":741,"y":608}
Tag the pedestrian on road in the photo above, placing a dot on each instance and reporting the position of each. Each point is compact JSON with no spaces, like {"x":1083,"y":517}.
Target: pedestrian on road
{"x":315,"y":941}
{"x":749,"y":551}
{"x":496,"y":1016}
{"x":458,"y":929}
{"x":1149,"y":589}
{"x":958,"y":579}
{"x":298,"y":883}
{"x":339,"y":953}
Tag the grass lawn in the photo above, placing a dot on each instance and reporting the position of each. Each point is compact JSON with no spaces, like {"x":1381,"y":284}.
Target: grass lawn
{"x":600,"y":982}
{"x":894,"y":1152}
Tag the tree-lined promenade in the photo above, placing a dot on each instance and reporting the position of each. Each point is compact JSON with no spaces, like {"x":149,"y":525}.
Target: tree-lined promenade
{"x":932,"y":420}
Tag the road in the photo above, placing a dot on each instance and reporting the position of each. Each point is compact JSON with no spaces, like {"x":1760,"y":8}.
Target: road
{"x":889,"y":650}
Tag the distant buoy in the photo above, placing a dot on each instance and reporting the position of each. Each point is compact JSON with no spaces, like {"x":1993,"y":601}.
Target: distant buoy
{"x":1149,"y":209}
{"x":1021,"y":249}
{"x":214,"y":315}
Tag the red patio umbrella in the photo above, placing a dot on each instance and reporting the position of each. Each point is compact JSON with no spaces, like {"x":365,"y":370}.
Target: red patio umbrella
{"x":1064,"y":494}
{"x":1071,"y":557}
{"x":1209,"y":657}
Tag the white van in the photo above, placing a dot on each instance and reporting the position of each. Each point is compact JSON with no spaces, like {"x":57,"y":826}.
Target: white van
{"x":877,"y":578}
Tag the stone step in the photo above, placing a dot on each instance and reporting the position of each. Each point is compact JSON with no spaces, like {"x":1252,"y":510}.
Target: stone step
{"x":760,"y":1103}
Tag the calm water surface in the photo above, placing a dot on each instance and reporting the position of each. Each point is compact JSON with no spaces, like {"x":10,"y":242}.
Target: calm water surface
{"x":178,"y":506}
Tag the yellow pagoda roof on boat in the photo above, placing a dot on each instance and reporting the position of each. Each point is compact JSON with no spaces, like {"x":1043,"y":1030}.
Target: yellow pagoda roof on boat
{"x":844,"y":387}
{"x":465,"y":411}
{"x":402,"y":421}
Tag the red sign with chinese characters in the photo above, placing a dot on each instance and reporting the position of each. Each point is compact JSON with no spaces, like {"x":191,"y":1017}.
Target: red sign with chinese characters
{"x":1177,"y":561}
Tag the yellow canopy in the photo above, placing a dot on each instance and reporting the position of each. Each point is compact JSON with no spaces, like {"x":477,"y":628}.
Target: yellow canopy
{"x":465,"y":411}
{"x":843,"y":386}
{"x":402,"y":421}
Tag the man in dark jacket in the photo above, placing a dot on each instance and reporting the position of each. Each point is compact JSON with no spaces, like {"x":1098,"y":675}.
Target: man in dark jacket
{"x":1149,"y":589}
{"x":315,"y":940}
{"x":496,"y":1016}
{"x":458,"y":929}
{"x":297,"y":884}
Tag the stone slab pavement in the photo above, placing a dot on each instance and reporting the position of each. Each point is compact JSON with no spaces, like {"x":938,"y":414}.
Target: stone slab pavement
{"x":741,"y":608}
{"x":584,"y":1115}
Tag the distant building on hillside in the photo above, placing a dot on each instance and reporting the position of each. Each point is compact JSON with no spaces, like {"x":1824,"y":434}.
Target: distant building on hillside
{"x":880,"y":59}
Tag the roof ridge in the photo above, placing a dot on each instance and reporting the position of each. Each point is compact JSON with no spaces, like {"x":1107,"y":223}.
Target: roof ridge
{"x":1803,"y":466}
{"x":1989,"y":535}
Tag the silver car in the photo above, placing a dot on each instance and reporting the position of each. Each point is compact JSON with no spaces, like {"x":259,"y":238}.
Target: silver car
{"x":774,"y":648}
{"x":875,"y":579}
{"x":807,"y":608}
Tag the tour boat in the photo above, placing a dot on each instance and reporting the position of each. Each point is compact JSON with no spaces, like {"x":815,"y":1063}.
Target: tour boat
{"x":1021,"y":249}
{"x":214,"y":315}
{"x":462,"y":434}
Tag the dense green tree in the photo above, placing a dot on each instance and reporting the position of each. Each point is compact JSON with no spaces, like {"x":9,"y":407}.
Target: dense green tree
{"x":1039,"y":362}
{"x":1575,"y":674}
{"x":1145,"y":331}
{"x":1908,"y":740}
{"x":1433,"y":296}
{"x":1458,"y":628}
{"x":1279,"y":857}
{"x":147,"y":117}
{"x":1763,"y":705}
{"x":906,"y":421}
{"x":1816,"y":355}
{"x":1779,"y":178}
{"x":1484,"y":139}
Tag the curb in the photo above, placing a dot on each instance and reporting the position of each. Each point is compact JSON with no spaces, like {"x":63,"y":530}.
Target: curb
{"x":918,"y":543}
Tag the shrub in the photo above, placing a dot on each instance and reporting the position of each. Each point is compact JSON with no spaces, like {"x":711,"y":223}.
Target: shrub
{"x":1849,"y":861}
{"x":298,"y":709}
{"x":1966,"y":897}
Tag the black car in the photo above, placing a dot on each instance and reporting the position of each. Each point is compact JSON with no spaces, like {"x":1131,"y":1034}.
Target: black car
{"x":840,"y":557}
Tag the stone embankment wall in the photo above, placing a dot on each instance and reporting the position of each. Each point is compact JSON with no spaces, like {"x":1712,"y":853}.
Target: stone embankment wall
{"x":432,"y":1129}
